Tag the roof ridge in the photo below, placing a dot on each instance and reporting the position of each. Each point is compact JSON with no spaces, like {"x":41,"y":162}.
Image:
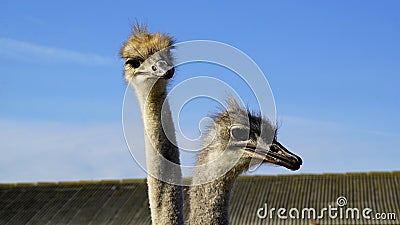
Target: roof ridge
{"x":79,"y":182}
{"x":141,"y":180}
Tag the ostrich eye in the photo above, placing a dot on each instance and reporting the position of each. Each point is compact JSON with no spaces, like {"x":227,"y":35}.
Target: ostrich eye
{"x":240,"y":134}
{"x":134,"y":63}
{"x":154,"y":68}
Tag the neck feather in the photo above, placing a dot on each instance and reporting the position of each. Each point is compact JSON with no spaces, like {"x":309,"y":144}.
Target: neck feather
{"x":166,"y":199}
{"x":210,"y":201}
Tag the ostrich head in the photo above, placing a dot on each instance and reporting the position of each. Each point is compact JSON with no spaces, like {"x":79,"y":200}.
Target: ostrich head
{"x":148,"y":59}
{"x":239,"y":136}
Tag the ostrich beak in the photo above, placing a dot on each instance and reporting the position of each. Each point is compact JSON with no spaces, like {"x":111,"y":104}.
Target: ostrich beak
{"x":160,"y":69}
{"x":276,"y":154}
{"x":169,"y":74}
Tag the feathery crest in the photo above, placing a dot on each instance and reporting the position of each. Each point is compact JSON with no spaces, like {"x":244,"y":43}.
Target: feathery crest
{"x":142,"y":44}
{"x":236,"y":113}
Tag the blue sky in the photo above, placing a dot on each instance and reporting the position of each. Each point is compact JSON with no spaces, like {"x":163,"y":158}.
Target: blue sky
{"x":333,"y":67}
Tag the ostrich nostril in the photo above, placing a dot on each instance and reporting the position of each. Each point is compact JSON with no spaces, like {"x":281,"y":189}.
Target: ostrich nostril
{"x":273,"y":149}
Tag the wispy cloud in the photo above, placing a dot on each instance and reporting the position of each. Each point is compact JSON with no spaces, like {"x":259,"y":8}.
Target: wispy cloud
{"x":27,"y":51}
{"x":40,"y":151}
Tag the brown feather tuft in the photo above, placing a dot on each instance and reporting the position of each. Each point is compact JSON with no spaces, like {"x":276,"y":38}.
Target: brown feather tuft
{"x":142,"y":44}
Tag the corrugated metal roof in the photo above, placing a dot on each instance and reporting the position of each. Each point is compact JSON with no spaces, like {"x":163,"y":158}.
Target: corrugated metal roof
{"x":125,"y":202}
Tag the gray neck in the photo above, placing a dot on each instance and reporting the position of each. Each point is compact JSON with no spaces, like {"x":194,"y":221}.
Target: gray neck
{"x":209,"y":202}
{"x":166,"y":200}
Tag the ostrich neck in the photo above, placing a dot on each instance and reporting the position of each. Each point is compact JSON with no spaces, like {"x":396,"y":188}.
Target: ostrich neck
{"x":158,"y":124}
{"x":209,"y":202}
{"x":159,"y":127}
{"x":166,"y":199}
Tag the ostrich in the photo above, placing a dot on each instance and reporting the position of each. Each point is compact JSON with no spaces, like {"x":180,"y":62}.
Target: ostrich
{"x":237,"y":137}
{"x":148,"y":66}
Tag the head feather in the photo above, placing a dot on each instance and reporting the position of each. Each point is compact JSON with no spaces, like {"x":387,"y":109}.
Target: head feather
{"x":142,"y":44}
{"x":235,"y":113}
